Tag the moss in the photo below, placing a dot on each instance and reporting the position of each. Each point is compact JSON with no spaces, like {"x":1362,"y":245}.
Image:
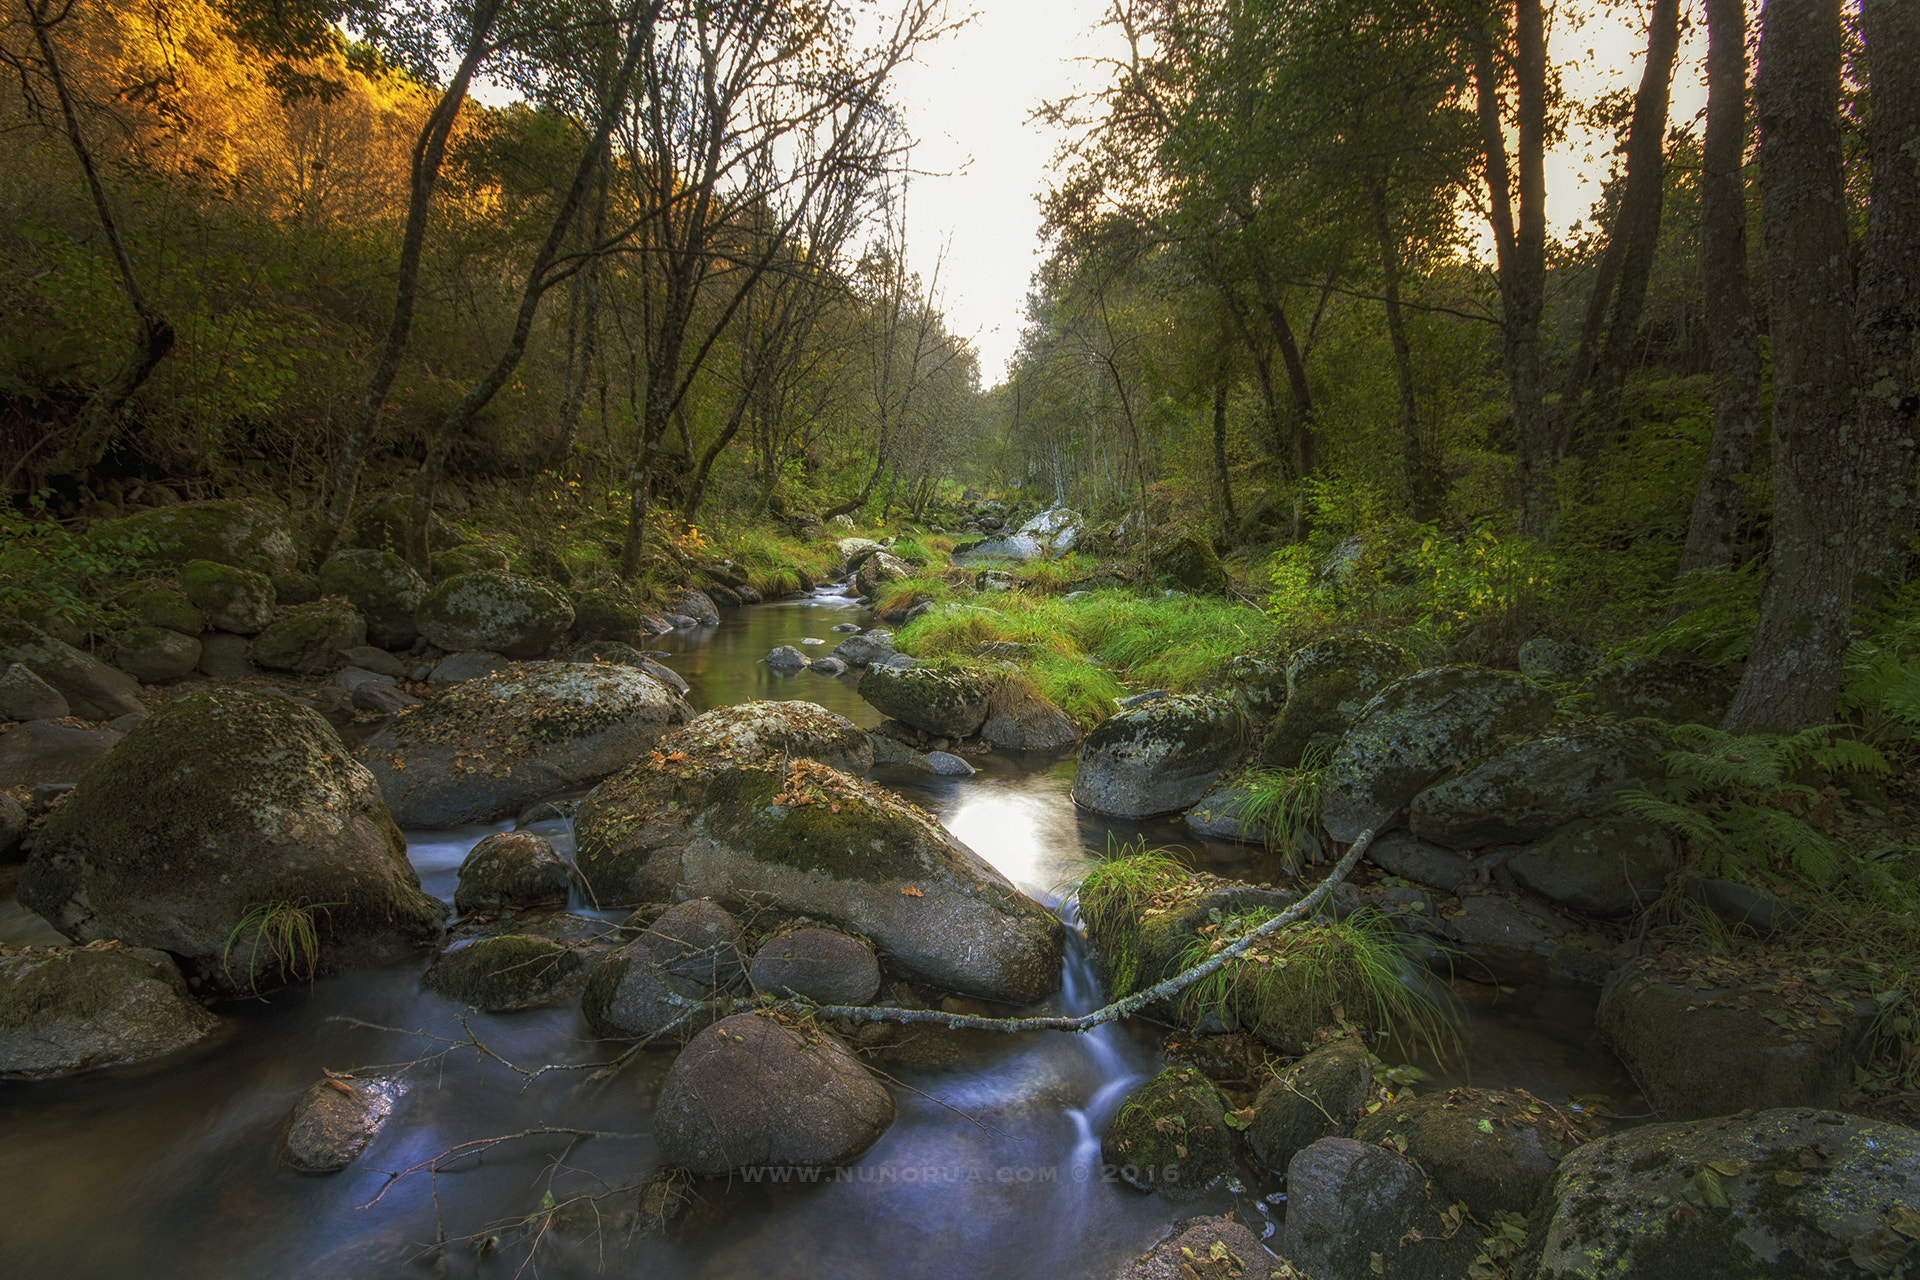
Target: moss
{"x":163,"y":606}
{"x":1172,"y":1134}
{"x":246,"y":535}
{"x":606,"y":612}
{"x":308,"y":639}
{"x":381,"y":586}
{"x":515,"y":616}
{"x":474,"y":557}
{"x":510,"y":971}
{"x":1190,"y":563}
{"x":828,"y":822}
{"x":1316,"y":714}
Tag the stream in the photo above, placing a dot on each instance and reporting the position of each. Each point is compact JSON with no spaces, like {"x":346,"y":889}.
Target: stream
{"x":992,"y":1169}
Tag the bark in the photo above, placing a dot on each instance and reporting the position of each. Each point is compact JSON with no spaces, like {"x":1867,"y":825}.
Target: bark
{"x":1793,"y":677}
{"x":1220,"y":470}
{"x":1887,"y":312}
{"x":583,"y":339}
{"x":1732,"y":338}
{"x":1416,"y":469}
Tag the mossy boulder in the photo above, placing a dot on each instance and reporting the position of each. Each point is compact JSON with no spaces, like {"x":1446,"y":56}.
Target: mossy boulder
{"x":484,"y":749}
{"x":1258,"y":685}
{"x":473,"y":557}
{"x":625,"y":655}
{"x":511,"y":871}
{"x":1172,"y":1135}
{"x":608,"y":611}
{"x":381,"y":524}
{"x":1783,"y":1194}
{"x":295,"y":588}
{"x":943,"y":700}
{"x":155,"y":655}
{"x":1674,"y":687}
{"x":514,"y":616}
{"x":1327,"y":685}
{"x":236,"y":600}
{"x":879,"y":569}
{"x":1607,"y":866}
{"x":307,"y":640}
{"x":159,"y":605}
{"x":1552,"y":661}
{"x":508,"y":972}
{"x":246,"y":535}
{"x":1320,"y":1096}
{"x":1678,"y":1023}
{"x":1493,"y":1151}
{"x":66,"y":1010}
{"x":774,"y":731}
{"x":234,"y":830}
{"x":803,"y":838}
{"x":1190,"y":564}
{"x":382,"y":588}
{"x":1523,"y":792}
{"x":93,"y":690}
{"x":698,"y":605}
{"x":1020,"y":718}
{"x":1416,"y":730}
{"x":1357,"y":1210}
{"x":1159,"y":757}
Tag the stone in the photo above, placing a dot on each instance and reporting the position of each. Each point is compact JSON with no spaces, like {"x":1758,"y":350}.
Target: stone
{"x":1743,"y":907}
{"x":382,"y":699}
{"x":853,"y":552}
{"x":42,"y":751}
{"x":383,"y":523}
{"x":159,"y":605}
{"x":635,"y":995}
{"x":13,"y":827}
{"x":472,"y":557}
{"x":1399,"y":854}
{"x":1320,"y":1096}
{"x":1495,"y":1152}
{"x":1189,"y":562}
{"x":749,"y":1092}
{"x":382,"y":588}
{"x":697,"y":605}
{"x":626,"y":655}
{"x":1523,"y":792}
{"x":944,"y":701}
{"x":1674,"y":687}
{"x":461,"y":667}
{"x":1229,"y":814}
{"x":378,"y":661}
{"x":236,"y":600}
{"x":1781,"y":1194}
{"x":1020,"y":718}
{"x":485,"y":748}
{"x":1056,"y":528}
{"x":497,"y":612}
{"x":155,"y":655}
{"x":222,"y":829}
{"x":1556,"y":661}
{"x":351,"y":678}
{"x":1327,"y":684}
{"x":334,"y":1121}
{"x":1171,"y":1136}
{"x":821,"y":965}
{"x":1358,"y":1210}
{"x":291,"y":588}
{"x":786,"y":658}
{"x":946,"y":764}
{"x":25,"y":696}
{"x":246,"y":535}
{"x":699,"y":939}
{"x":775,"y":731}
{"x":1258,"y":686}
{"x":224,"y":656}
{"x":878,"y":569}
{"x":509,"y":972}
{"x":66,"y":1010}
{"x":1158,"y":758}
{"x":93,"y":690}
{"x":864,"y":649}
{"x":608,"y":611}
{"x":1413,"y":732}
{"x":308,"y":639}
{"x":512,"y":871}
{"x":828,"y":666}
{"x":1205,"y":1249}
{"x":1611,"y":866}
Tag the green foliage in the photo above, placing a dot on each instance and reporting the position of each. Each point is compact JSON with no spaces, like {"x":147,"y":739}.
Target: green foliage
{"x":1716,"y":611}
{"x":1285,"y":804}
{"x":1122,"y":884}
{"x":281,"y":937}
{"x":46,"y":570}
{"x":1743,"y":802}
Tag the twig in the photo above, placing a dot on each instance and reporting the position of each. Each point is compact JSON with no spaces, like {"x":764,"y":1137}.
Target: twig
{"x":475,"y":1147}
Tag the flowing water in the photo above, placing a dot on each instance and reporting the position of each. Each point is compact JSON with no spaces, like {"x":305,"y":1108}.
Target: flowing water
{"x":992,"y":1169}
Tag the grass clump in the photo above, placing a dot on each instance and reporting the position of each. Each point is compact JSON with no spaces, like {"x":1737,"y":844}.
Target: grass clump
{"x":773,"y":563}
{"x":1285,"y":805}
{"x":277,"y":937}
{"x":1122,"y":886}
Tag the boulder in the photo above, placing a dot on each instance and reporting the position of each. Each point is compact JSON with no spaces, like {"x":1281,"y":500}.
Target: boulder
{"x":1320,"y":1096}
{"x":1020,"y":718}
{"x":378,"y":661}
{"x":1258,"y":685}
{"x":877,"y":570}
{"x":485,"y":748}
{"x":800,"y":837}
{"x":155,"y":655}
{"x":1229,"y":814}
{"x":1205,"y":1249}
{"x":1399,"y":854}
{"x":498,"y":612}
{"x":1171,"y":1136}
{"x":700,"y":939}
{"x":608,"y":611}
{"x":697,"y":605}
{"x":42,"y":751}
{"x":383,"y":523}
{"x":236,"y":600}
{"x":1785,"y":1194}
{"x":828,"y":666}
{"x":232,"y":829}
{"x":1056,"y":528}
{"x":243,"y":534}
{"x":749,"y":1091}
{"x":93,"y":690}
{"x":1327,"y":685}
{"x":159,"y":605}
{"x":511,"y":871}
{"x":382,"y":699}
{"x":382,"y":588}
{"x":786,"y":658}
{"x":1358,"y":1210}
{"x":821,"y":965}
{"x":308,"y":639}
{"x":626,"y":655}
{"x":293,"y":588}
{"x":853,"y":552}
{"x":1015,"y":547}
{"x":1679,"y":1024}
{"x":1555,"y":661}
{"x":509,"y":972}
{"x":1674,"y":687}
{"x":25,"y":696}
{"x":461,"y":667}
{"x":71,"y":1009}
{"x":1413,"y":732}
{"x":1611,"y":866}
{"x":1189,"y":562}
{"x":944,"y":701}
{"x":871,"y":647}
{"x":945,"y":764}
{"x":1494,"y":1152}
{"x":1160,"y":757}
{"x":333,"y":1122}
{"x":224,"y":656}
{"x":1523,"y":792}
{"x":472,"y":557}
{"x":13,"y":827}
{"x":635,"y":994}
{"x":774,"y":732}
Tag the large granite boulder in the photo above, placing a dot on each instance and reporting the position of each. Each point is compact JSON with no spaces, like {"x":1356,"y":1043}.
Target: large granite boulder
{"x":1020,"y":718}
{"x":155,"y":655}
{"x":484,"y":749}
{"x":1159,"y":757}
{"x":498,"y":612}
{"x":234,"y":830}
{"x":1414,"y":732}
{"x":237,"y":600}
{"x":511,"y":871}
{"x":800,"y":837}
{"x":72,"y":1009}
{"x":247,"y":535}
{"x":1495,"y":1152}
{"x":774,"y":731}
{"x":1521,"y":793}
{"x":1785,"y":1194}
{"x":1328,"y":683}
{"x":382,"y":588}
{"x":93,"y":690}
{"x":942,"y":700}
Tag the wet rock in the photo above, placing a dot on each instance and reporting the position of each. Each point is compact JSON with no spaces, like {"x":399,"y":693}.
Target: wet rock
{"x":508,"y":972}
{"x":610,"y":612}
{"x":1495,"y":1152}
{"x":877,"y":570}
{"x":1674,"y":687}
{"x":236,"y":600}
{"x":459,"y":668}
{"x":511,"y":871}
{"x":379,"y":661}
{"x":1401,"y":855}
{"x":351,"y":678}
{"x":625,"y":655}
{"x":1788,"y":1194}
{"x":821,"y":965}
{"x":946,"y":764}
{"x":220,"y":823}
{"x":828,"y":666}
{"x":1171,"y":1136}
{"x":1359,"y":1210}
{"x":723,"y":596}
{"x":864,"y":649}
{"x":497,"y":612}
{"x":382,"y":699}
{"x":696,"y":605}
{"x":154,"y":655}
{"x":1020,"y":718}
{"x":1494,"y":922}
{"x":333,"y":1122}
{"x":1556,"y":661}
{"x":748,"y":1091}
{"x":700,"y":940}
{"x":1158,"y":758}
{"x":382,"y":588}
{"x":1320,"y":1096}
{"x":786,"y":658}
{"x":945,"y":701}
{"x":1601,"y":866}
{"x":846,"y":627}
{"x":1229,"y":814}
{"x":93,"y":690}
{"x":1205,"y":1249}
{"x":224,"y":657}
{"x":46,"y":751}
{"x":308,"y":639}
{"x":1741,"y":906}
{"x":243,"y":534}
{"x":1679,"y":1024}
{"x":25,"y":696}
{"x":71,"y":1009}
{"x":635,"y":995}
{"x":1413,"y":732}
{"x":483,"y":749}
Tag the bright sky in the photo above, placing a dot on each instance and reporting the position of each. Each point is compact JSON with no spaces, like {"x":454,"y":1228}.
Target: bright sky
{"x":967,"y":100}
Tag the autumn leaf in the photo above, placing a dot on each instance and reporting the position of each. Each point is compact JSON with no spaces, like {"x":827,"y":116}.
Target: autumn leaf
{"x":907,"y":890}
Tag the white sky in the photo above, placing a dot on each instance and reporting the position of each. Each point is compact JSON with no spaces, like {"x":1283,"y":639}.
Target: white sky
{"x":968,"y":97}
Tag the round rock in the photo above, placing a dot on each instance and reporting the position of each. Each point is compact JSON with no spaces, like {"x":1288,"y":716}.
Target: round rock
{"x":821,"y":965}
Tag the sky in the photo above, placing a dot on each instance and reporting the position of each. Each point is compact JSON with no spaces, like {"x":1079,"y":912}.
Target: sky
{"x":967,"y":100}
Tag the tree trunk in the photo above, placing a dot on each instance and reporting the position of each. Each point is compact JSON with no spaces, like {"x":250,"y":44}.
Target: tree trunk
{"x":1731,"y":334}
{"x":1220,"y":469}
{"x":581,"y":350}
{"x":1793,"y":677}
{"x":1418,"y":472}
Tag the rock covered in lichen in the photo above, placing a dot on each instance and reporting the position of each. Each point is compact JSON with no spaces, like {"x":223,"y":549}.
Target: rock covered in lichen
{"x":1354,"y":1209}
{"x":1494,"y":1151}
{"x":382,"y":588}
{"x":1320,"y":1096}
{"x":236,"y":600}
{"x":775,"y":731}
{"x":944,"y":700}
{"x":1522,"y":792}
{"x":93,"y":690}
{"x":511,"y":871}
{"x":1328,"y":683}
{"x":485,"y":748}
{"x":499,"y":612}
{"x":247,"y":535}
{"x":1159,"y":757}
{"x":234,"y":830}
{"x":155,"y":655}
{"x":308,"y":639}
{"x":1021,"y":718}
{"x":72,"y":1009}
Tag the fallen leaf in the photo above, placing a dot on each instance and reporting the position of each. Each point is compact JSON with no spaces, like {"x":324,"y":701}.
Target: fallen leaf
{"x":909,"y":891}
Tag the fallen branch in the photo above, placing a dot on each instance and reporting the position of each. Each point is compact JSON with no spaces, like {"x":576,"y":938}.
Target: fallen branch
{"x":476,"y":1147}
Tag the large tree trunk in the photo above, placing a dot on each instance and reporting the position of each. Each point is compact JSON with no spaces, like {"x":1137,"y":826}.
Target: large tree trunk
{"x":1220,"y":469}
{"x":1731,"y":334}
{"x":1793,"y":677}
{"x":1888,"y":309}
